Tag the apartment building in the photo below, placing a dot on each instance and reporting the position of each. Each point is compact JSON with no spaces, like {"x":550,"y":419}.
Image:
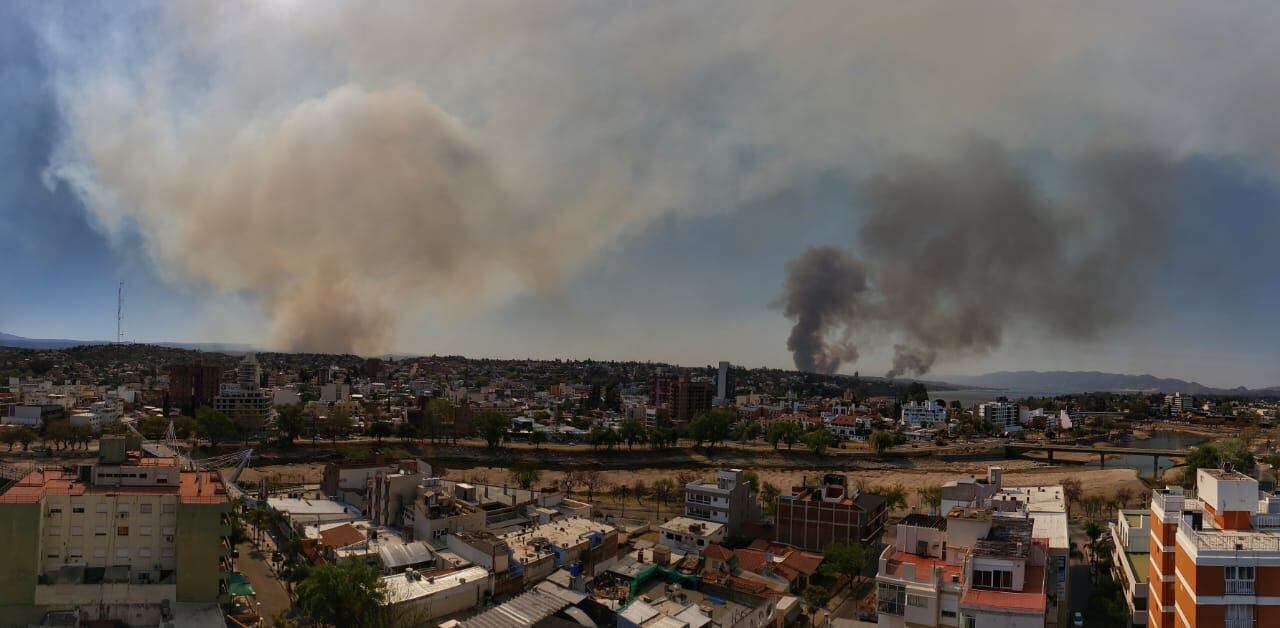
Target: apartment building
{"x":193,"y":385}
{"x":728,"y":500}
{"x":1215,"y":558}
{"x":924,"y":413}
{"x":813,"y":517}
{"x":125,"y":539}
{"x":1007,"y":417}
{"x":1131,"y":555}
{"x":975,"y":567}
{"x":244,"y":400}
{"x":690,"y":536}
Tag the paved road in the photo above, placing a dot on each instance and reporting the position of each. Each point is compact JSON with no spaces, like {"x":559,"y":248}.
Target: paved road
{"x":272,"y":597}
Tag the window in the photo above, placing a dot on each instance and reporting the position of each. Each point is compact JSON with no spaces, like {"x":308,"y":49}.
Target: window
{"x":77,"y":510}
{"x":54,"y":555}
{"x":122,"y":531}
{"x":918,"y":601}
{"x":1239,"y":579}
{"x":122,"y":552}
{"x":948,"y":613}
{"x":99,"y":553}
{"x":77,"y":531}
{"x":145,"y":531}
{"x":890,"y":598}
{"x":76,"y":553}
{"x":169,"y":508}
{"x":99,"y":531}
{"x":102,"y":507}
{"x":144,"y":509}
{"x":55,"y":511}
{"x":145,"y":552}
{"x":166,"y":552}
{"x":996,"y":579}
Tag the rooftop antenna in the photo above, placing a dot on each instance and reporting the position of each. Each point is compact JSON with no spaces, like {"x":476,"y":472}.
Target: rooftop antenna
{"x":120,"y":313}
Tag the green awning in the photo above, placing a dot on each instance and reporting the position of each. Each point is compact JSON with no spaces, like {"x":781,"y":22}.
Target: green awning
{"x":238,"y":585}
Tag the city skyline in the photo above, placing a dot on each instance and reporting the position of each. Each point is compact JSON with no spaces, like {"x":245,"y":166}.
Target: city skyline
{"x":645,"y":206}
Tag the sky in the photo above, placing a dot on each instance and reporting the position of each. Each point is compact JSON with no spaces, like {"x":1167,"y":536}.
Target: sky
{"x":991,"y":185}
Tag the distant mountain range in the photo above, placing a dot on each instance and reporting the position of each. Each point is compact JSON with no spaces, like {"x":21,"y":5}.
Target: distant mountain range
{"x":1090,"y":381}
{"x":10,"y":340}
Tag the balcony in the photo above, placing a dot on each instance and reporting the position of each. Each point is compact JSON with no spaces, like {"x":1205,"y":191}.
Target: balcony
{"x":1239,"y":623}
{"x":1266,"y":522}
{"x":1239,"y":587}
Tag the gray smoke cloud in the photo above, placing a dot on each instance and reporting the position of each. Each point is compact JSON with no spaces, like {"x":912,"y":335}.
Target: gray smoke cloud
{"x":953,"y":253}
{"x":359,"y":167}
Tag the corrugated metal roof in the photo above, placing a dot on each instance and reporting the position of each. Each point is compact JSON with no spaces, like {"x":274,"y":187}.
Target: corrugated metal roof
{"x":403,"y":554}
{"x":523,"y":610}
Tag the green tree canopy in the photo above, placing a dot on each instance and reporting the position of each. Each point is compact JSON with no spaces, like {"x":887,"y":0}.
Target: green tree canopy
{"x":492,"y":427}
{"x":344,"y":594}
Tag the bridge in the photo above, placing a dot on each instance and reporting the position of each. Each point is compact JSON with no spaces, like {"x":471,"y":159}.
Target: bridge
{"x":1016,"y":449}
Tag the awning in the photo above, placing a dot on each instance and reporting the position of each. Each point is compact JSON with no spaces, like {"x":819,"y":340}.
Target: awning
{"x":238,"y":585}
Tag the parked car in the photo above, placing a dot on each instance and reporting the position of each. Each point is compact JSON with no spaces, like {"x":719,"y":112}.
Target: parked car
{"x":1077,"y":620}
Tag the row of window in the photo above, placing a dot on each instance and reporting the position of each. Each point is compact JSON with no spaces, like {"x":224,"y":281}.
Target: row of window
{"x":995,"y":579}
{"x":102,"y":531}
{"x":124,"y":509}
{"x":145,"y":552}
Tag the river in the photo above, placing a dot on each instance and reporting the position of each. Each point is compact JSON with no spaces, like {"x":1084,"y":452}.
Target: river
{"x":1158,"y":440}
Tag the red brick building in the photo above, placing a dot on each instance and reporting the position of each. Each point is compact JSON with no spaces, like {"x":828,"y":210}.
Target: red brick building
{"x":815,"y":516}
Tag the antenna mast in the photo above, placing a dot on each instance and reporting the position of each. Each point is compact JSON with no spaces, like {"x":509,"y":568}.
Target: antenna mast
{"x":120,"y":313}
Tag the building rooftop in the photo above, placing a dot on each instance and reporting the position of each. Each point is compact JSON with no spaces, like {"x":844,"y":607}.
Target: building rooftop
{"x":194,"y":487}
{"x":921,"y":520}
{"x":1139,"y":563}
{"x":411,"y":586}
{"x":1030,"y":599}
{"x":1007,"y":538}
{"x":924,"y":566}
{"x":696,"y":527}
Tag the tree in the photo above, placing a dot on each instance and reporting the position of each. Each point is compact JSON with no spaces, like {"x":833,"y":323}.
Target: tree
{"x":931,"y":497}
{"x":350,"y":593}
{"x":492,"y":427}
{"x":338,"y":423}
{"x":9,"y":437}
{"x":769,"y":495}
{"x":592,"y":480}
{"x":639,"y":491}
{"x":775,"y":433}
{"x":632,"y":432}
{"x":289,"y":421}
{"x":663,"y":489}
{"x":844,"y":559}
{"x":818,"y":440}
{"x":791,"y":435}
{"x":881,"y":441}
{"x":815,"y":597}
{"x":895,"y":497}
{"x":537,"y":438}
{"x":1071,"y":492}
{"x":214,"y":426}
{"x":380,"y":430}
{"x":621,"y":493}
{"x":59,"y":433}
{"x":406,"y":431}
{"x":26,"y":436}
{"x":917,"y":392}
{"x":524,"y":474}
{"x":711,"y":427}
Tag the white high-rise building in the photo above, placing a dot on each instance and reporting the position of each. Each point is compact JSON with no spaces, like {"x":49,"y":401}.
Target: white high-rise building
{"x":724,"y":385}
{"x":1006,"y":416}
{"x":924,"y":414}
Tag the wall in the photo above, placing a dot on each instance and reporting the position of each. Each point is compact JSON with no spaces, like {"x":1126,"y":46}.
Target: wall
{"x":20,"y":528}
{"x":198,"y":537}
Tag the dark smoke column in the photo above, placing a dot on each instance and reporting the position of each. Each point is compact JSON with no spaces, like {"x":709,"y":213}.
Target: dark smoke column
{"x":824,"y":289}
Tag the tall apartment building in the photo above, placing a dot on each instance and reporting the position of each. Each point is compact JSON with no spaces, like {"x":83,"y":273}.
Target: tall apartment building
{"x":724,"y":384}
{"x":1131,"y":555}
{"x":1178,"y":404}
{"x":130,"y":539}
{"x":1215,"y":560}
{"x":1006,"y":416}
{"x":193,"y":385}
{"x":728,"y":500}
{"x":680,"y":397}
{"x":974,"y":567}
{"x":924,"y":413}
{"x":816,"y":516}
{"x":244,"y":400}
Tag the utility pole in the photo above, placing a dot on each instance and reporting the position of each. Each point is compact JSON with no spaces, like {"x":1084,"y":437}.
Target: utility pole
{"x":120,"y":313}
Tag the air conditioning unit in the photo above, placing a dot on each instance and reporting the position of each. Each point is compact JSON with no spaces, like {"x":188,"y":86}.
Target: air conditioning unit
{"x":169,"y":538}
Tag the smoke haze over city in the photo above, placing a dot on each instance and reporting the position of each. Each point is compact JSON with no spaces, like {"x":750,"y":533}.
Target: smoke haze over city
{"x":901,"y":189}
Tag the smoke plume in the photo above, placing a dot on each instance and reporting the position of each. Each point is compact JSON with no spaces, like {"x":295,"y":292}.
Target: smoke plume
{"x":358,"y":167}
{"x":952,"y":254}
